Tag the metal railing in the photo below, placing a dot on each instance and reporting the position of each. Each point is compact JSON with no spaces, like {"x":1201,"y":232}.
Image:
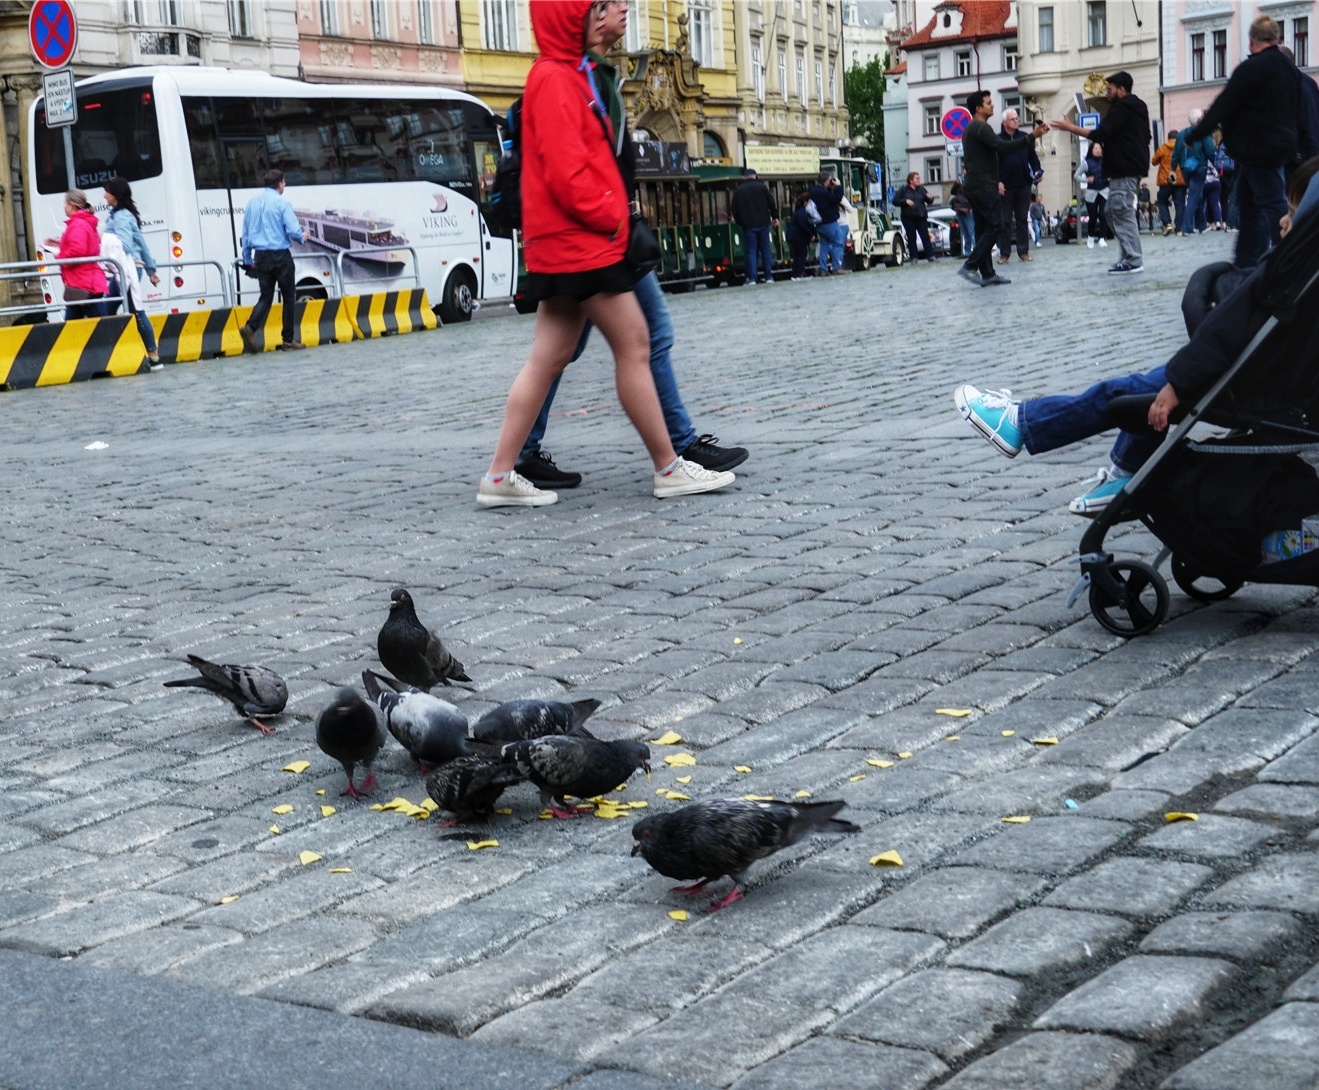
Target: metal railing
{"x":357,"y":251}
{"x":27,"y":270}
{"x":226,"y":291}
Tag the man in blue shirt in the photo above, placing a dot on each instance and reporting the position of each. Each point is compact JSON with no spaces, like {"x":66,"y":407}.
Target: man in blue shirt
{"x":269,"y":225}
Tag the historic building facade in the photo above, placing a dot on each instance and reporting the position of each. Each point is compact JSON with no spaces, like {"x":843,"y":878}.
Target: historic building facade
{"x":373,"y":41}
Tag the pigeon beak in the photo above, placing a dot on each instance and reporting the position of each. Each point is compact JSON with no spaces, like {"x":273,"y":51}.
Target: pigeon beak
{"x":636,"y":848}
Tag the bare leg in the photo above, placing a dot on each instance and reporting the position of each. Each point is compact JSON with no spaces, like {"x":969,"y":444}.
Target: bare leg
{"x":619,"y":319}
{"x":559,"y":324}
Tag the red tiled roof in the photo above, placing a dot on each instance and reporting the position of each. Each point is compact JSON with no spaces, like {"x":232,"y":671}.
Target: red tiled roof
{"x":980,"y":19}
{"x":897,"y":70}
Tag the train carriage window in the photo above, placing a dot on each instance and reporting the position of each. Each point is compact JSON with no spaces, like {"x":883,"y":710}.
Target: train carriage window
{"x":299,"y":141}
{"x":116,"y":135}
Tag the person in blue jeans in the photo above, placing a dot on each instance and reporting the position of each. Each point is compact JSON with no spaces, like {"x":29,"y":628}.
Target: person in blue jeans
{"x":538,"y":467}
{"x":755,"y":210}
{"x":1193,"y":158}
{"x":828,"y":197}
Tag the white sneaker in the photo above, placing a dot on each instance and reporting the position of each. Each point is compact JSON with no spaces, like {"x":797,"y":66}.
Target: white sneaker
{"x":1090,"y":243}
{"x":513,"y":491}
{"x":1104,"y":243}
{"x":687,"y":478}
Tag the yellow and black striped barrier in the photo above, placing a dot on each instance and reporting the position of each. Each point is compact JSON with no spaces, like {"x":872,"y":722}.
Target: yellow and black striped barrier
{"x":197,"y":335}
{"x":53,"y":353}
{"x":386,"y":312}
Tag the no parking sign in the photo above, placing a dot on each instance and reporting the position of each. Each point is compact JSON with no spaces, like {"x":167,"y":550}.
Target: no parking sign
{"x":52,"y":32}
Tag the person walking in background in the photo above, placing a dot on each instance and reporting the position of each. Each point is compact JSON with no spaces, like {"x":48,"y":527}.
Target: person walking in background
{"x":1094,"y":188}
{"x":1171,"y":187}
{"x":126,"y":223}
{"x":1192,"y":157}
{"x":981,"y":147}
{"x":1125,"y":136}
{"x":84,"y":283}
{"x":1145,"y":206}
{"x":827,"y":193}
{"x":1037,"y":218}
{"x":1018,"y":170}
{"x":1212,"y":194}
{"x":269,"y":226}
{"x":961,"y":206}
{"x":755,"y":210}
{"x":1259,"y":112}
{"x":801,"y":230}
{"x":575,"y":230}
{"x":913,"y":203}
{"x":1227,"y":169}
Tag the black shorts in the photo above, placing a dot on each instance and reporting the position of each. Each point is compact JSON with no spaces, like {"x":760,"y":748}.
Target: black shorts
{"x":612,"y":279}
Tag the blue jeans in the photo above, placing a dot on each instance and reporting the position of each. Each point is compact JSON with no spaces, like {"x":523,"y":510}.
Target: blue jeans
{"x":832,"y":237}
{"x":650,"y":297}
{"x":966,"y":222}
{"x":1194,"y":217}
{"x":758,"y":253}
{"x":1261,"y":201}
{"x":1048,"y":423}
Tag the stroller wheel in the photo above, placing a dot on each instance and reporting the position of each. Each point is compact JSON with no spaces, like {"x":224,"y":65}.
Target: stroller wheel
{"x":1140,"y":603}
{"x":1205,"y":588}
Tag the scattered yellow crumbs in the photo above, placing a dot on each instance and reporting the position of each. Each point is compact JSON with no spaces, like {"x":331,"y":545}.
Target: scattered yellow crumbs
{"x":878,"y":763}
{"x":296,"y":767}
{"x":341,"y":870}
{"x":1044,"y":741}
{"x":678,"y":914}
{"x":683,"y":759}
{"x":905,"y":755}
{"x":505,"y":810}
{"x":668,"y":738}
{"x":675,"y":796}
{"x":887,"y":859}
{"x":326,"y":811}
{"x":1180,"y":815}
{"x":308,"y":857}
{"x":1017,"y":819}
{"x":403,"y":806}
{"x":802,"y":795}
{"x":682,"y":779}
{"x":758,"y":798}
{"x":229,"y":900}
{"x":321,"y":791}
{"x":953,"y":738}
{"x":857,"y":778}
{"x":744,"y":769}
{"x":275,"y":829}
{"x":956,"y":713}
{"x":282,"y":808}
{"x":477,"y":845}
{"x":1007,"y":733}
{"x":736,"y":640}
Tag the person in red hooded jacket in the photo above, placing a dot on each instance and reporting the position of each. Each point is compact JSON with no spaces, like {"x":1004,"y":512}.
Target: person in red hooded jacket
{"x":81,"y":238}
{"x":575,"y":214}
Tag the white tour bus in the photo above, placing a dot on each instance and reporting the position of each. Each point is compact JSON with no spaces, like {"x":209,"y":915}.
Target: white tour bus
{"x":384,"y":180}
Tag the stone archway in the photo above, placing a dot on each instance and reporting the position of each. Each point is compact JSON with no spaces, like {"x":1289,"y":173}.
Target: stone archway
{"x":663,"y":125}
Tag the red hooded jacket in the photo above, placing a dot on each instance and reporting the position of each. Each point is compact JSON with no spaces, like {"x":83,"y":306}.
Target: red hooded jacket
{"x":82,"y":239}
{"x":574,"y":204}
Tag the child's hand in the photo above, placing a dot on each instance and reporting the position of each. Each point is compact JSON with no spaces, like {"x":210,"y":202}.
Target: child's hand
{"x":1163,"y":406}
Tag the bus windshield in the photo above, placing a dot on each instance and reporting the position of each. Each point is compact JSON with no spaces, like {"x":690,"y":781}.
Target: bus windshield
{"x":116,"y":134}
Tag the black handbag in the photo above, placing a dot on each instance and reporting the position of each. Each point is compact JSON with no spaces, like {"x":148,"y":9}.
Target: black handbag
{"x":643,"y":249}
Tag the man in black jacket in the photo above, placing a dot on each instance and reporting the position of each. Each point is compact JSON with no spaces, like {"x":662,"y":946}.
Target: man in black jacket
{"x":755,"y":210}
{"x":1259,"y":113}
{"x":1125,"y":136}
{"x":1018,"y":170}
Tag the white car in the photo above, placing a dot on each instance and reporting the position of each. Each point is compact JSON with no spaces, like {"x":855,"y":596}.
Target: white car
{"x":941,"y":231}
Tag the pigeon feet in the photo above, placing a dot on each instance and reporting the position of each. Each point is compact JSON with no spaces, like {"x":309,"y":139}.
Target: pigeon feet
{"x":566,"y":815}
{"x":691,"y":889}
{"x":734,"y":895}
{"x":369,"y":783}
{"x":260,"y":725}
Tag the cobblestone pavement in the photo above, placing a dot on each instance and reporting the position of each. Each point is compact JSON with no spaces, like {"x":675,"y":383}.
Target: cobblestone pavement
{"x":875,"y":562}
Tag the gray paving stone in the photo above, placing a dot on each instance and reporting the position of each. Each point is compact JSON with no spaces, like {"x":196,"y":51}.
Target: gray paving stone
{"x":1144,"y":997}
{"x":1126,"y":805}
{"x":18,"y":906}
{"x":1035,"y":789}
{"x":1299,"y":764}
{"x":1289,"y":882}
{"x":1047,"y":845}
{"x":1041,"y":940}
{"x":1131,"y":887}
{"x":1305,"y":987}
{"x":70,"y":932}
{"x":1273,"y":799}
{"x":1051,"y":1061}
{"x":1276,"y":1053}
{"x":949,"y":1012}
{"x":952,"y":902}
{"x":1116,"y":741}
{"x":1248,"y":937}
{"x":576,"y":1026}
{"x":857,"y":1065}
{"x":1211,"y":836}
{"x":154,"y":951}
{"x":133,"y":829}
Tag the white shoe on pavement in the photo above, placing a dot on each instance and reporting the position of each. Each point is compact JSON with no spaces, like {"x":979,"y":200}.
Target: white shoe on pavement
{"x":687,"y":478}
{"x":514,"y":490}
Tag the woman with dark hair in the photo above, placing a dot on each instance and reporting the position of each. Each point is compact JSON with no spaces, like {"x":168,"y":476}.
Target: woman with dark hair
{"x":575,"y":220}
{"x":800,"y":232}
{"x":84,"y":283}
{"x":126,"y":222}
{"x":1096,"y":195}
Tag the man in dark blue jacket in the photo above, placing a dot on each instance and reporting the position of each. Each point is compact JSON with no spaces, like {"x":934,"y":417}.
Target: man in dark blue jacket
{"x":1259,"y":112}
{"x":1018,"y":170}
{"x":827,"y":194}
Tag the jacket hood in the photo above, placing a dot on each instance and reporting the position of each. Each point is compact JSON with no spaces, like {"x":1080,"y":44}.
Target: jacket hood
{"x":560,"y":28}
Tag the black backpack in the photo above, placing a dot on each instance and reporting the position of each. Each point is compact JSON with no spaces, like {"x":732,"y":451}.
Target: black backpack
{"x":506,"y":192}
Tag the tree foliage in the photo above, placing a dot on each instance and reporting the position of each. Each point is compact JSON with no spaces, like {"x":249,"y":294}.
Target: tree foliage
{"x":863,"y":90}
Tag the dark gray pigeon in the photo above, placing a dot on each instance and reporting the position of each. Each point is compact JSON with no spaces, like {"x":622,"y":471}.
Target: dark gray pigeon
{"x":469,"y":786}
{"x":253,"y":690}
{"x":431,"y":729}
{"x":718,"y":837}
{"x":349,"y":730}
{"x":581,"y":767}
{"x":516,"y":720}
{"x":411,"y":651}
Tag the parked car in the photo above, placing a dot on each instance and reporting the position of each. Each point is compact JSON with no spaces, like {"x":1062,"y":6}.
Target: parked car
{"x":945,"y":231}
{"x":1073,"y":225}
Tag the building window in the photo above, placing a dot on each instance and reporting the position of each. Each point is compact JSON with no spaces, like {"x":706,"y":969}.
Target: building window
{"x":1010,"y":56}
{"x":500,"y":24}
{"x":833,"y":83}
{"x":757,"y":70}
{"x":379,"y":19}
{"x":933,"y":114}
{"x":241,"y":23}
{"x":801,"y":74}
{"x":632,"y":37}
{"x":1220,"y":54}
{"x":783,"y":74}
{"x":425,"y":22}
{"x":962,"y":62}
{"x":819,"y":81}
{"x":1046,"y":30}
{"x":1301,"y":42}
{"x":148,"y":12}
{"x":931,"y":66}
{"x":1197,"y":57}
{"x":711,"y":146}
{"x":701,"y":15}
{"x":329,"y":17}
{"x":1011,"y":101}
{"x":934,"y":170}
{"x":1096,"y":21}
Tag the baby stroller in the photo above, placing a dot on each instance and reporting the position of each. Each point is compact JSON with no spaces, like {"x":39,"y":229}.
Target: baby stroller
{"x":1212,"y":501}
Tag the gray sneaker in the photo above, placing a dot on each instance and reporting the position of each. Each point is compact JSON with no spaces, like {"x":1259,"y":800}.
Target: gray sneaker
{"x":972,"y":275}
{"x":513,"y":491}
{"x":687,"y":478}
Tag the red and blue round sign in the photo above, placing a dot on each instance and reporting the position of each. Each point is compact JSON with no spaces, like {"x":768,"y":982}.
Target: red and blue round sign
{"x":52,"y":31}
{"x":955,"y":121}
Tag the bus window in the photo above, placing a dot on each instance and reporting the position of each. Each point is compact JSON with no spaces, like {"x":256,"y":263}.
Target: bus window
{"x":203,"y":143}
{"x":368,"y":151}
{"x":299,"y":140}
{"x":116,"y":134}
{"x":441,"y":149}
{"x":241,"y":140}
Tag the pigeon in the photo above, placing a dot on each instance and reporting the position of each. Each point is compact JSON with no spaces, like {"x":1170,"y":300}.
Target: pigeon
{"x":411,"y":651}
{"x":253,"y":690}
{"x":431,"y":729}
{"x":469,"y":786}
{"x":349,"y":730}
{"x":516,"y":720}
{"x":582,"y":767}
{"x":718,"y":837}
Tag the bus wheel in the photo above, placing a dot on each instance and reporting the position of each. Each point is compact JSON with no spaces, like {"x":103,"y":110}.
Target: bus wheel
{"x":310,"y":289}
{"x":459,"y":294}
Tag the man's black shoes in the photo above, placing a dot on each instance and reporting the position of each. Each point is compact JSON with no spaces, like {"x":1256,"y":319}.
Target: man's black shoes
{"x":540,"y":470}
{"x":708,"y":454}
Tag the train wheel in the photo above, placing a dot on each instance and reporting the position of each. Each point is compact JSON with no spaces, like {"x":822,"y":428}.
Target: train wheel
{"x":459,"y":295}
{"x":1141,"y":604}
{"x":1204,"y":588}
{"x":899,"y":254}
